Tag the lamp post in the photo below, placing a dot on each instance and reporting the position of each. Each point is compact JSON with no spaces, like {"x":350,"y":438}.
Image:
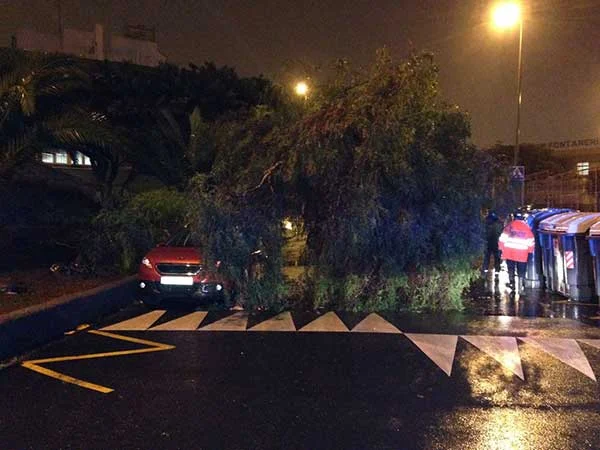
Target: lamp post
{"x":507,"y":15}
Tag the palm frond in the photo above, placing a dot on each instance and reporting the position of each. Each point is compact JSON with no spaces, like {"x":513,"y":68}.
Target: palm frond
{"x":17,"y":150}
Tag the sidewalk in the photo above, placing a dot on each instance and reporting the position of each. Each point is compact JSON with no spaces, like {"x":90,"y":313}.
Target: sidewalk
{"x":492,"y":298}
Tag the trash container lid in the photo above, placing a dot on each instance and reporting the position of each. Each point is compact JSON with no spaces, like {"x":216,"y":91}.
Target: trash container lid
{"x":595,"y":229}
{"x":535,"y":216}
{"x":549,"y":224}
{"x":577,"y":224}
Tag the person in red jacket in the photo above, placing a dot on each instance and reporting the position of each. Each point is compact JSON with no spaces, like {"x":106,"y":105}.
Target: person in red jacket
{"x":516,"y":243}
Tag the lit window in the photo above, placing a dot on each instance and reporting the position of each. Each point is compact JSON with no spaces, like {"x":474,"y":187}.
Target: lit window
{"x":82,"y":160}
{"x":583,"y":168}
{"x":61,"y":158}
{"x":48,"y":158}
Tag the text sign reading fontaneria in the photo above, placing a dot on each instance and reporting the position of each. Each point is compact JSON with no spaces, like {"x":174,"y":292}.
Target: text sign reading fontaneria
{"x":579,"y":143}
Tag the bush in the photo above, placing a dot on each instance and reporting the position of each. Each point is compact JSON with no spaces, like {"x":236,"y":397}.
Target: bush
{"x":430,"y":288}
{"x":120,"y":237}
{"x":247,"y":239}
{"x":439,"y":287}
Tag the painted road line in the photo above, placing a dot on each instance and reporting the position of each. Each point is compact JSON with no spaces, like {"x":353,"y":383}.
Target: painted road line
{"x":235,"y":322}
{"x":374,"y":323}
{"x":329,"y":322}
{"x":503,"y":349}
{"x":565,"y":350}
{"x":440,"y":348}
{"x":31,"y":365}
{"x":188,"y":322}
{"x":281,"y":322}
{"x":138,"y":323}
{"x":36,"y":367}
{"x":591,"y":342}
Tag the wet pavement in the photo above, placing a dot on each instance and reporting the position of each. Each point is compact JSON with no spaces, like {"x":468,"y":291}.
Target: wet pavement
{"x":180,"y":378}
{"x":490,"y":296}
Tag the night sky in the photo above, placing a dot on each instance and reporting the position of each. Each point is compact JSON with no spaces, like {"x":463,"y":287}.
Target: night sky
{"x":478,"y":65}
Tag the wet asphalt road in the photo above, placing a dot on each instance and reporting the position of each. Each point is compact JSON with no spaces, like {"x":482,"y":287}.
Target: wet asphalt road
{"x":295,"y":390}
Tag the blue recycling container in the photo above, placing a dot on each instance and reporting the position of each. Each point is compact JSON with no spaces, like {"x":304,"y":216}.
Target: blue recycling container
{"x":594,"y":242}
{"x":571,"y":267}
{"x":534,"y":277}
{"x":549,"y":241}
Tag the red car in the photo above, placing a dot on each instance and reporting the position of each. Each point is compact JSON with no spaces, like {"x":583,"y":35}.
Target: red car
{"x":178,"y":269}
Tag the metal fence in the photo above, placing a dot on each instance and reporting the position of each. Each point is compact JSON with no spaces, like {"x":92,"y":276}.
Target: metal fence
{"x":572,"y":189}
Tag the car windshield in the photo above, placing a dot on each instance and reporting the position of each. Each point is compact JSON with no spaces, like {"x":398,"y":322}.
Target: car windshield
{"x":184,"y":238}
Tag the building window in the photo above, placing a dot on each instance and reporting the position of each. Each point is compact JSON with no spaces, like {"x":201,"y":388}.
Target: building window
{"x":583,"y":168}
{"x":81,"y":160}
{"x":48,"y":158}
{"x":61,"y":157}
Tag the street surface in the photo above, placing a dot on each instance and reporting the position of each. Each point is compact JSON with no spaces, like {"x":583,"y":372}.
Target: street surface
{"x":180,"y":378}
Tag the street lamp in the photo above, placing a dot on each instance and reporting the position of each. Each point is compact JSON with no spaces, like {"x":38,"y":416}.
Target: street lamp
{"x":301,"y":89}
{"x":507,"y":15}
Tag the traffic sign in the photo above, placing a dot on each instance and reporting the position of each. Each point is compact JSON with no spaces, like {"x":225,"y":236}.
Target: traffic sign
{"x":517,"y":173}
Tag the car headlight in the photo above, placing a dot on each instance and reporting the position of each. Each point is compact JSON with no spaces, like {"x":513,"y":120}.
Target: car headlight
{"x":219,"y":287}
{"x":146,"y":262}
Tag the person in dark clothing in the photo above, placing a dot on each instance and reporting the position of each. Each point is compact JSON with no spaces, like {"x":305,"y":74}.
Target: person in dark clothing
{"x":493,"y":229}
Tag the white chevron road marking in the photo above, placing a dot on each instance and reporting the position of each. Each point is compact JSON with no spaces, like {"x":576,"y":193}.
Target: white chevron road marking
{"x":188,"y":322}
{"x":566,"y":351}
{"x":329,"y":322}
{"x":374,"y":323}
{"x":142,"y":322}
{"x":235,"y":322}
{"x":281,"y":322}
{"x":440,"y":348}
{"x":503,"y":349}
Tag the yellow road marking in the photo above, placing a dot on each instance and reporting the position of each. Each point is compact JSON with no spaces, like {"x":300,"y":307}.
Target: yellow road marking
{"x":35,"y":364}
{"x":67,"y":379}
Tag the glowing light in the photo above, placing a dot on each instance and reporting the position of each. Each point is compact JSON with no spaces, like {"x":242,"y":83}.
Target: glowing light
{"x":301,"y":89}
{"x":506,"y":15}
{"x":288,"y":225}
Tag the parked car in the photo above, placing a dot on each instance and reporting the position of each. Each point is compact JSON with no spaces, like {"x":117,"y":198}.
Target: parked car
{"x":177,"y":269}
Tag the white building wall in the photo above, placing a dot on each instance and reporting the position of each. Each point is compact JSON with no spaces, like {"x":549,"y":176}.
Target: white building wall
{"x":140,"y":52}
{"x":90,"y":44}
{"x":34,"y":41}
{"x":80,"y":43}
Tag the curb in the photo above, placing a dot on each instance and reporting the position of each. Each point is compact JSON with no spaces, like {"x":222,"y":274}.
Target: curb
{"x":27,"y":328}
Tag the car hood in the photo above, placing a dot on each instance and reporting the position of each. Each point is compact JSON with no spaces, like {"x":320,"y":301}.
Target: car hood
{"x":186,"y":255}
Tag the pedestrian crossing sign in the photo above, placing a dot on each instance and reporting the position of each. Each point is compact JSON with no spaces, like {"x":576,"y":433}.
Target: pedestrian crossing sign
{"x":517,"y":173}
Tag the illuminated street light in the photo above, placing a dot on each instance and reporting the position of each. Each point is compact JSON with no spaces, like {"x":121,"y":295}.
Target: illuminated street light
{"x":507,"y":15}
{"x":301,"y":89}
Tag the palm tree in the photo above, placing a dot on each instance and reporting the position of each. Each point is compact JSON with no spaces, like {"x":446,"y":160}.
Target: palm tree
{"x":28,"y":84}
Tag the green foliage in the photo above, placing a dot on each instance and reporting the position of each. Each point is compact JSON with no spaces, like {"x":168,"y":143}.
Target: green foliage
{"x":247,"y":240}
{"x":29,"y":86}
{"x":374,"y":165}
{"x":121,"y":236}
{"x":387,"y":182}
{"x":435,"y":287}
{"x":439,"y":287}
{"x":353,"y":293}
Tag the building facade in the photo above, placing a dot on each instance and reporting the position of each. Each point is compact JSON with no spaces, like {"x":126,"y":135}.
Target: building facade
{"x":136,"y":45}
{"x":578,"y":154}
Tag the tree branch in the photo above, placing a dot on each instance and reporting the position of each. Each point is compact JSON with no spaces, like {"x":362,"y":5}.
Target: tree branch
{"x":266,"y":175}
